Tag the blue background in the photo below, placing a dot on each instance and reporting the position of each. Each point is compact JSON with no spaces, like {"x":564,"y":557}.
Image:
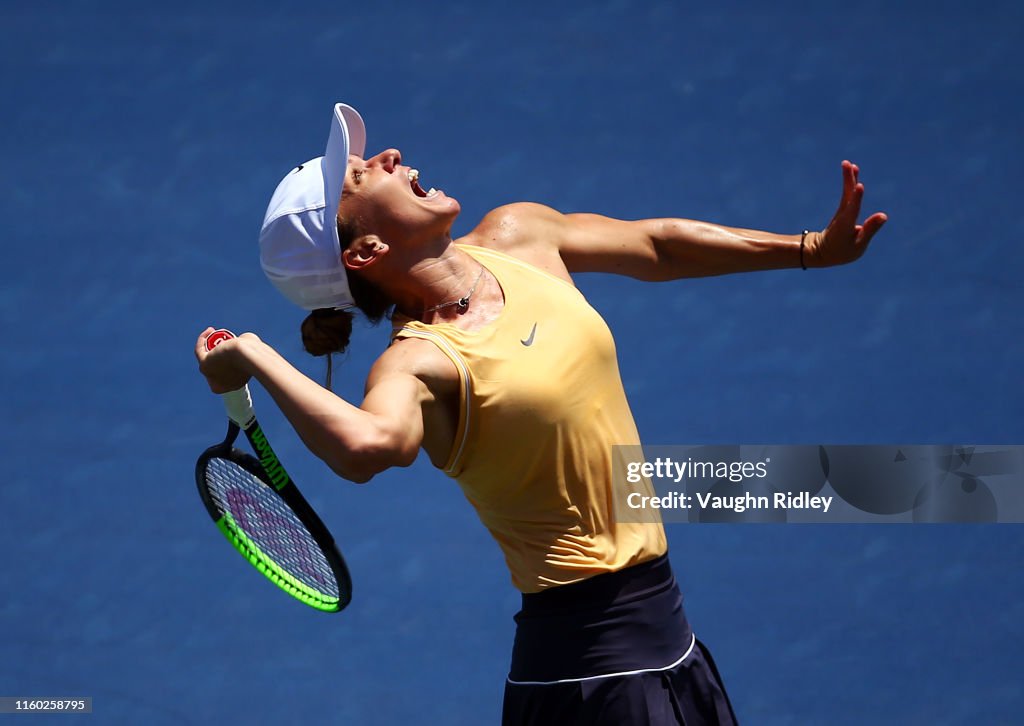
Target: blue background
{"x":139,"y":149}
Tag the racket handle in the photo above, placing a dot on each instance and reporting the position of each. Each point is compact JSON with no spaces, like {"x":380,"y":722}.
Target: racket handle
{"x":238,"y":403}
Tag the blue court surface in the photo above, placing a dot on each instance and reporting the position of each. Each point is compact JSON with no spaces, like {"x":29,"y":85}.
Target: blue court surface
{"x":140,"y":146}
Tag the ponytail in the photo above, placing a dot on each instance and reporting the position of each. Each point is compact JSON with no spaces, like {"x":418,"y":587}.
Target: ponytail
{"x":327,"y":331}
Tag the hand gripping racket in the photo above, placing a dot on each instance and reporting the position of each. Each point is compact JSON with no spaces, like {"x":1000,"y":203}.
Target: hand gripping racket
{"x":261,"y":512}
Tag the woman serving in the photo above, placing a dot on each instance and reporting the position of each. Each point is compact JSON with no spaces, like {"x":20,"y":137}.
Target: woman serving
{"x":504,"y":375}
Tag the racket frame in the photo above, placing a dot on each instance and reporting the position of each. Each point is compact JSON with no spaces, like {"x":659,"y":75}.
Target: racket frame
{"x":239,"y":406}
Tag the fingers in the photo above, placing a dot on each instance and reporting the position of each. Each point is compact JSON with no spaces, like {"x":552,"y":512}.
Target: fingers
{"x":871,"y":225}
{"x":852,"y":171}
{"x":201,"y":342}
{"x":856,"y":197}
{"x":853,"y":190}
{"x":853,"y":196}
{"x":849,"y":192}
{"x":844,"y":240}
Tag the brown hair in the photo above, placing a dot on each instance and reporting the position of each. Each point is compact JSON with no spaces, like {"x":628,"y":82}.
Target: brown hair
{"x":327,"y":331}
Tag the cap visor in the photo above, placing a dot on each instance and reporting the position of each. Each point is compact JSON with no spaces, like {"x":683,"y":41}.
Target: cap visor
{"x":348,"y":136}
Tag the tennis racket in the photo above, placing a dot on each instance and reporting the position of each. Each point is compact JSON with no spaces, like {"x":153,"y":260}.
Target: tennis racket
{"x":259,"y":509}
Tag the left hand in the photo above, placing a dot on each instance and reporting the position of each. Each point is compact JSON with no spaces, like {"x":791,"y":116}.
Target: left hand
{"x":844,"y":240}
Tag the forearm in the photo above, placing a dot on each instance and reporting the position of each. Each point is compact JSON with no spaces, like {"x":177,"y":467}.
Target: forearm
{"x":689,"y":248}
{"x":347,"y":438}
{"x":669,"y":249}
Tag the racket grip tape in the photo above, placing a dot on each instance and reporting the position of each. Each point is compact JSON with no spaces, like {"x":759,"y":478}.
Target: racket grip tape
{"x":238,"y":404}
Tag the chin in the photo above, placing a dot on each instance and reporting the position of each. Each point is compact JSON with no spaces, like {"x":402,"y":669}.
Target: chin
{"x":452,"y":206}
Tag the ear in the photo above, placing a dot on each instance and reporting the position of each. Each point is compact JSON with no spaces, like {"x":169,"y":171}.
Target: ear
{"x":363,"y":252}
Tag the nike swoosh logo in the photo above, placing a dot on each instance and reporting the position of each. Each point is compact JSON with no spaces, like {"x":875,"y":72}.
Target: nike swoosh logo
{"x":529,"y":341}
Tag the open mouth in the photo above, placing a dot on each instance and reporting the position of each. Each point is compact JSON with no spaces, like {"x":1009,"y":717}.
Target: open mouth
{"x":414,"y":183}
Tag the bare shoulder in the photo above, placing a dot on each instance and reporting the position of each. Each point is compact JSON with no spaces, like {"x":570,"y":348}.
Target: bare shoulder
{"x":528,"y":231}
{"x":419,"y":359}
{"x":513,"y":225}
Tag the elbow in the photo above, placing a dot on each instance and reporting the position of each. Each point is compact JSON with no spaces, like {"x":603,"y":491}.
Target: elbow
{"x":347,"y":468}
{"x":360,"y":462}
{"x":354,"y":474}
{"x":355,"y":468}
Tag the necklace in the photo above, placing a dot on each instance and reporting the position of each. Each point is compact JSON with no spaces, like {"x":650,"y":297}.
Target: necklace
{"x":462,"y":302}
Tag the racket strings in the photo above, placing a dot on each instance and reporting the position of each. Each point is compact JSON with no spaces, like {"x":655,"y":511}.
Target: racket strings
{"x":256,"y":511}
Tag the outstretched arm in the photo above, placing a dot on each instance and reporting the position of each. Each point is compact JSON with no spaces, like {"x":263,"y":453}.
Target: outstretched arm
{"x":668,"y":249}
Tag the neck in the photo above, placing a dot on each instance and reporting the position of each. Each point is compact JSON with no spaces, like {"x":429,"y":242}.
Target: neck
{"x":429,"y":281}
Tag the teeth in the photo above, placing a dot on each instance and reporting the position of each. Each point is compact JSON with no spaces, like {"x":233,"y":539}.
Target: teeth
{"x":431,"y":192}
{"x":414,"y":174}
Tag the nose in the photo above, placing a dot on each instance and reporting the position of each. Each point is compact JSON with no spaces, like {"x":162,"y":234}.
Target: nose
{"x":387,"y":160}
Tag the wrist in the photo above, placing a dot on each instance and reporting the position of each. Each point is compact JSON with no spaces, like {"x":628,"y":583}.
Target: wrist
{"x":247,"y":353}
{"x":809,"y":245}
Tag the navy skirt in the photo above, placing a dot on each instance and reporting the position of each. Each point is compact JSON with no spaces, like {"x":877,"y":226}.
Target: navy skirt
{"x":614,"y":649}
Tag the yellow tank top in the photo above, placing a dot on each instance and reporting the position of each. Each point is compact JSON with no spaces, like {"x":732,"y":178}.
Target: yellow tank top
{"x":542,"y":404}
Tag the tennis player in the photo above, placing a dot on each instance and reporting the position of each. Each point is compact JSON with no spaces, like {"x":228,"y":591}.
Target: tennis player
{"x":504,"y":375}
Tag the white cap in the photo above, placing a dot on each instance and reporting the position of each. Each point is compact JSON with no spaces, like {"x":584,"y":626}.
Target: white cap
{"x":299,"y":248}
